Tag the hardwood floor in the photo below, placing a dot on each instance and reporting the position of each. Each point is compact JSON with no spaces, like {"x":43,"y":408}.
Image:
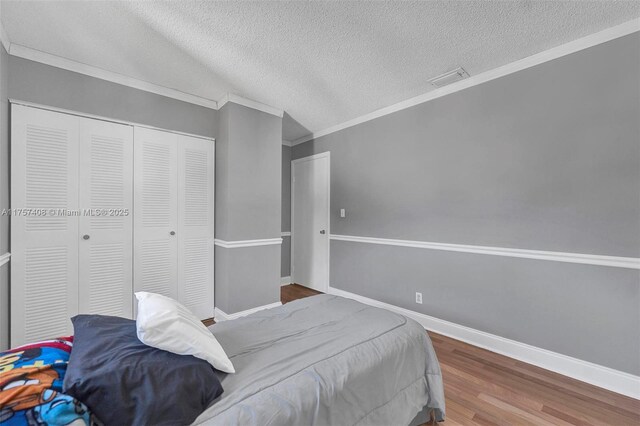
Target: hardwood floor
{"x":484,"y":388}
{"x":291,"y":292}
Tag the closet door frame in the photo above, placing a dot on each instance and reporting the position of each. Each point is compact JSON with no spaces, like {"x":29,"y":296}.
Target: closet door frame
{"x":17,"y":298}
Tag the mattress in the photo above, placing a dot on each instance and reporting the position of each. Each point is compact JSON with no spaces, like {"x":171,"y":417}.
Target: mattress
{"x":326,"y":360}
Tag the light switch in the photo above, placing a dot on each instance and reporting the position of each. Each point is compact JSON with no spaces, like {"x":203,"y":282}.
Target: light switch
{"x":342,"y":213}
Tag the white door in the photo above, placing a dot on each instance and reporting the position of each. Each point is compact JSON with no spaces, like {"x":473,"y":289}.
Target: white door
{"x":106,"y":203}
{"x":155,"y":212}
{"x":195,"y":224}
{"x":44,"y":241}
{"x":310,"y":181}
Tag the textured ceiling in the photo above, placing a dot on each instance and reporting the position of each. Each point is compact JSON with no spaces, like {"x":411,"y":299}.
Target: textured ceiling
{"x":322,"y":62}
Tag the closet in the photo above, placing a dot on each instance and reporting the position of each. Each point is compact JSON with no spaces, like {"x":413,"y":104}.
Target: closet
{"x":173,"y":218}
{"x":102,"y":209}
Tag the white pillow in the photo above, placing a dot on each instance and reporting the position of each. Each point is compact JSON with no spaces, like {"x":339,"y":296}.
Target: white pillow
{"x":165,"y":324}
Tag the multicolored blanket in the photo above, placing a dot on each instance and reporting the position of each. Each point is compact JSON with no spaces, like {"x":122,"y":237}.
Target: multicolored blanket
{"x":31,"y":379}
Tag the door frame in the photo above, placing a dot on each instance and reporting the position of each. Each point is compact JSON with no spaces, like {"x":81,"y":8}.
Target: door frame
{"x":327,"y":155}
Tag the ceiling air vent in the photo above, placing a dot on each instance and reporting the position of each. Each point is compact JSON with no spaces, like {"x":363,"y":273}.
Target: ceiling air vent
{"x":449,"y":77}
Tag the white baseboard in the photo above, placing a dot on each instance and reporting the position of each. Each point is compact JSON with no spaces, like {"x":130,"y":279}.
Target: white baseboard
{"x":220,"y":315}
{"x":597,"y":375}
{"x":285,"y":280}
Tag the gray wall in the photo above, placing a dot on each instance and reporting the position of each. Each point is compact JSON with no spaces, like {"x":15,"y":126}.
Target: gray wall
{"x":248,"y":207}
{"x":547,"y":158}
{"x":247,"y":277}
{"x":4,"y":197}
{"x":35,"y":82}
{"x":285,"y":268}
{"x":248,"y":174}
{"x":285,"y":259}
{"x":580,"y":310}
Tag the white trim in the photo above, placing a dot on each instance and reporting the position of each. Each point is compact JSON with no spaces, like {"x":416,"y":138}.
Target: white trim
{"x":102,"y":118}
{"x":285,"y":281}
{"x":528,"y":62}
{"x":114,"y":77}
{"x":287,"y":143}
{"x":5,"y":258}
{"x":220,"y":315}
{"x":589,"y":259}
{"x":326,"y":154}
{"x":4,"y":39}
{"x":597,"y":375}
{"x":312,"y":157}
{"x":247,"y":243}
{"x":230,"y":97}
{"x":285,"y":234}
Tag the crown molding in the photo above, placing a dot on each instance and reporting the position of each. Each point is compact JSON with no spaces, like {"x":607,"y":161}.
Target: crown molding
{"x":539,"y":58}
{"x":70,"y":65}
{"x":5,"y":258}
{"x":81,"y":68}
{"x":591,"y":40}
{"x":287,"y":143}
{"x":230,"y":97}
{"x":102,"y":74}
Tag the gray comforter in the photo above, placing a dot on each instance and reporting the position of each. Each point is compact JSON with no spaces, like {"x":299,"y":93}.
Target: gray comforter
{"x":326,"y":360}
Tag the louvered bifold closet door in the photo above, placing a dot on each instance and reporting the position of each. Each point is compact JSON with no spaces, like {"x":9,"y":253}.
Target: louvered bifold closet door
{"x":44,"y":241}
{"x":106,"y":200}
{"x":195,"y":228}
{"x":155,"y":244}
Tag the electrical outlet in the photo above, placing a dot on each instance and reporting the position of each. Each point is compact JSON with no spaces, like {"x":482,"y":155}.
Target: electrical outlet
{"x":419,"y":298}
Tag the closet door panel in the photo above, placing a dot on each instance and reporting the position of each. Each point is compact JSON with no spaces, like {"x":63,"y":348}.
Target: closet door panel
{"x":155,"y":212}
{"x":44,"y":237}
{"x":106,"y":222}
{"x":195,"y":229}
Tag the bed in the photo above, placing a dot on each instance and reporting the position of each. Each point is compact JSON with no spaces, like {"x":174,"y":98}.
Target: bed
{"x":326,"y":360}
{"x":322,"y":360}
